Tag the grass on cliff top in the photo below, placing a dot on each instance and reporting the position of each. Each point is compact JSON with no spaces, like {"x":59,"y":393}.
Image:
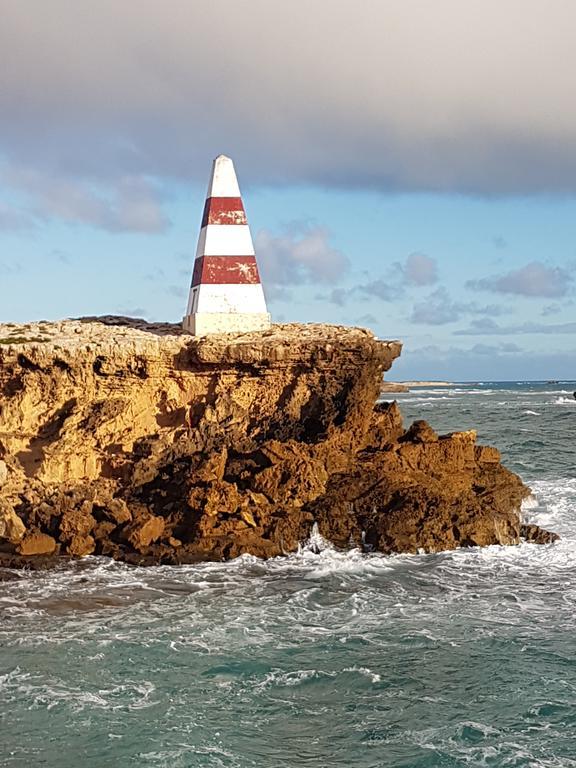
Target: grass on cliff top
{"x":22,"y":339}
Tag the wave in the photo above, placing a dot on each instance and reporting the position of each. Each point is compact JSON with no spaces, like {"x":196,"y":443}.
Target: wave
{"x":411,"y":399}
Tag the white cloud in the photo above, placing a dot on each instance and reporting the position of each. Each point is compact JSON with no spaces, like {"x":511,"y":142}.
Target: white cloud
{"x":420,"y":269}
{"x":302,"y":255}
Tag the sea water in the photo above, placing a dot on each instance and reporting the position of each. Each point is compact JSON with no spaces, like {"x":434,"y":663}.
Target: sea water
{"x":323,"y":658}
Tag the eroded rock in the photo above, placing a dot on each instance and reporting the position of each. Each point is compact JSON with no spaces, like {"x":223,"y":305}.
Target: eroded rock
{"x":138,"y":442}
{"x":11,"y":526}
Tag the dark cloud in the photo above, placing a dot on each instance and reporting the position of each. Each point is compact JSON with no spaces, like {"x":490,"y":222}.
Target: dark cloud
{"x":488,"y":327}
{"x":399,"y":96}
{"x":534,"y":280}
{"x":440,"y":309}
{"x":302,"y":254}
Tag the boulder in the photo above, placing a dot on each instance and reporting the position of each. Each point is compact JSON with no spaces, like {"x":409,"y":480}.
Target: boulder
{"x":37,"y":543}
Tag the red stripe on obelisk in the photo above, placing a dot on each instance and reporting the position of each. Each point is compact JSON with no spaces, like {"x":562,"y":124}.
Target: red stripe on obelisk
{"x":223,"y":210}
{"x":225,"y":270}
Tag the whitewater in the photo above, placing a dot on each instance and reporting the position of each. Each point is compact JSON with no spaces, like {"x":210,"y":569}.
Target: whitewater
{"x":322,"y":658}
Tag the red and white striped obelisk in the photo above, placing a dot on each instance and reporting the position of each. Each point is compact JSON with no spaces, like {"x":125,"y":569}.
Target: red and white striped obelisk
{"x":226,"y":295}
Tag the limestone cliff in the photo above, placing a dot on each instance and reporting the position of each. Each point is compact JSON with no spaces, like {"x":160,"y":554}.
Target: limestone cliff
{"x":134,"y":440}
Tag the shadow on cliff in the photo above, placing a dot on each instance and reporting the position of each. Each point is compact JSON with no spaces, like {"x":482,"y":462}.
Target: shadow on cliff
{"x":138,"y":323}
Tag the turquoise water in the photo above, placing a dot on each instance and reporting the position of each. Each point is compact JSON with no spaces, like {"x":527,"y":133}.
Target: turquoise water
{"x":332,"y":659}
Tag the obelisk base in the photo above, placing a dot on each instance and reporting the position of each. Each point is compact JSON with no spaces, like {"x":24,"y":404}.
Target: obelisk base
{"x":204,"y":323}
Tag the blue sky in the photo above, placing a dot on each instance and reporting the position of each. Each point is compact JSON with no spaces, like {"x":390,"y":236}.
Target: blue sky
{"x":446,"y":219}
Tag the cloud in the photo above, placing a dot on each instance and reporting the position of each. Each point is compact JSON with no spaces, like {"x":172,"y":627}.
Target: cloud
{"x":400,"y":96}
{"x":302,"y":255}
{"x":416,"y":270}
{"x":437,"y":309}
{"x":440,"y":309}
{"x":382,"y":289}
{"x":484,"y":362}
{"x":533,"y":280}
{"x":338,"y":296}
{"x":420,"y":269}
{"x":131,"y":204}
{"x":487,"y":327}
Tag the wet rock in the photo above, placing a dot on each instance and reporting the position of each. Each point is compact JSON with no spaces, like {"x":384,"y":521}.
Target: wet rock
{"x":537,"y":535}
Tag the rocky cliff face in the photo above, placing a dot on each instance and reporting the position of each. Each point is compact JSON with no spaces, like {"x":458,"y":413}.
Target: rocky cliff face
{"x":134,"y":440}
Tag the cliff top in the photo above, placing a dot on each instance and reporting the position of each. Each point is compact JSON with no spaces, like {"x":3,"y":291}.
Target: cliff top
{"x":111,"y":334}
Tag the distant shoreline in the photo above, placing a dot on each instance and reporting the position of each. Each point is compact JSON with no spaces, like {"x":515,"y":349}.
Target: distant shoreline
{"x":406,"y":386}
{"x":566,"y":382}
{"x":425,"y":383}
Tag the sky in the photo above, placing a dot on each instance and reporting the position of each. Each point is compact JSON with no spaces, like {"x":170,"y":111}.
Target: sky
{"x":407,"y":166}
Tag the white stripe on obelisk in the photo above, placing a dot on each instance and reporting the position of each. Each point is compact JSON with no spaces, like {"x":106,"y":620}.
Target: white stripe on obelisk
{"x":239,"y":297}
{"x":225,"y":240}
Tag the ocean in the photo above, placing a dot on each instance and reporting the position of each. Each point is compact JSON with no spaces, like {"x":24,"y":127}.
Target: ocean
{"x":323,"y":658}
